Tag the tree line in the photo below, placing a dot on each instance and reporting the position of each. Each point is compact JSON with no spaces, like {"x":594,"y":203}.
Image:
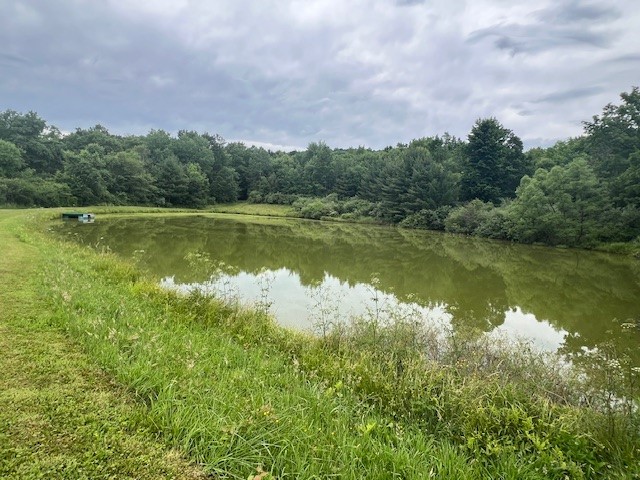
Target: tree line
{"x":579,"y":192}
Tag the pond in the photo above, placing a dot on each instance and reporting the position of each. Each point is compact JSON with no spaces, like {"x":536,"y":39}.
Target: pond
{"x":310,"y":274}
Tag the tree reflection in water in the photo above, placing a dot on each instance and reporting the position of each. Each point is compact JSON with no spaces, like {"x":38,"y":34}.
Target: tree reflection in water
{"x":577,"y":299}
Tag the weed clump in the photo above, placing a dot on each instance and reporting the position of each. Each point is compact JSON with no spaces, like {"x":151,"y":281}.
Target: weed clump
{"x":492,"y":396}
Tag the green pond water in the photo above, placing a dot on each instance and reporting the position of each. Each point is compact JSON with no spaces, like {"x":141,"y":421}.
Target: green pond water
{"x":562,"y":300}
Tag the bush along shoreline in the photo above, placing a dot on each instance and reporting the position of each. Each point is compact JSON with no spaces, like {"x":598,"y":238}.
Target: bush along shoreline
{"x":476,"y":218}
{"x":381,"y":397}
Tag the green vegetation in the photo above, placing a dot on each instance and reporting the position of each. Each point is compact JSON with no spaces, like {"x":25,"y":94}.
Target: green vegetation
{"x":60,"y":415}
{"x":381,"y":399}
{"x":582,"y":192}
{"x":243,"y":208}
{"x":475,"y":282}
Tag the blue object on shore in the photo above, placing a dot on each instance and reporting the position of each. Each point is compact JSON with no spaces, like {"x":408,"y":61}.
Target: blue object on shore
{"x":81,"y":217}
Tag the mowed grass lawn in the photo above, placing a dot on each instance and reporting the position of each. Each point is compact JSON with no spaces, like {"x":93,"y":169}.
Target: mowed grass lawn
{"x":245,"y":208}
{"x":61,"y":416}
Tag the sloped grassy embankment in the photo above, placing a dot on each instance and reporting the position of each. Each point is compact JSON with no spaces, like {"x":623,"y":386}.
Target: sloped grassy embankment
{"x":60,"y":415}
{"x":243,"y":397}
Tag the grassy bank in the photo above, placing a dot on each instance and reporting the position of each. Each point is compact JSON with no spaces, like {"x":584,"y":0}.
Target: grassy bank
{"x":291,"y":211}
{"x":60,"y":415}
{"x":245,"y":398}
{"x":244,"y":208}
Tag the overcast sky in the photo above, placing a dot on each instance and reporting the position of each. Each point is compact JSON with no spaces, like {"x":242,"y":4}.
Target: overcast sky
{"x":289,"y":72}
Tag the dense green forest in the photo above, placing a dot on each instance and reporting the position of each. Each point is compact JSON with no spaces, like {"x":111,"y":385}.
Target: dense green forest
{"x":579,"y":192}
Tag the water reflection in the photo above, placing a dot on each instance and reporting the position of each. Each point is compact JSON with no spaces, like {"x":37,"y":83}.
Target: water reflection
{"x":566,"y":299}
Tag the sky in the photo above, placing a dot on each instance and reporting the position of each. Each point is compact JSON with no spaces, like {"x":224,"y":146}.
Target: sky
{"x":282,"y":74}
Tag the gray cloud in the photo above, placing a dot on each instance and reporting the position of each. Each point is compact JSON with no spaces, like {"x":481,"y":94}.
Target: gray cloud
{"x":633,"y":58}
{"x":568,"y":95}
{"x":367,"y":72}
{"x":409,"y":2}
{"x":564,"y":24}
{"x":536,"y":38}
{"x":576,"y":11}
{"x":12,"y":59}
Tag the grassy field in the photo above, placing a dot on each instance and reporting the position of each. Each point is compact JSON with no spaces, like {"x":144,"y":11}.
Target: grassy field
{"x":244,"y":208}
{"x":107,"y":376}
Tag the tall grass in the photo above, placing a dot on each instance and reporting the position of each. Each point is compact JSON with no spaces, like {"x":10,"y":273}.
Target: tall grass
{"x":229,"y":400}
{"x":377,"y":398}
{"x":492,"y":397}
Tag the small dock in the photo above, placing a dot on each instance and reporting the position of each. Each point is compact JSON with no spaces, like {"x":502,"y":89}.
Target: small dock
{"x":79,"y":216}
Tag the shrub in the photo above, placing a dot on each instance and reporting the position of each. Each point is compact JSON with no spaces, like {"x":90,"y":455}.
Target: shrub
{"x":274,"y":198}
{"x":428,"y":219}
{"x":468,"y":218}
{"x":330,"y":206}
{"x":493,"y":224}
{"x":315,"y":208}
{"x":279,"y":198}
{"x":30,"y":192}
{"x":255,"y":197}
{"x":356,"y":208}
